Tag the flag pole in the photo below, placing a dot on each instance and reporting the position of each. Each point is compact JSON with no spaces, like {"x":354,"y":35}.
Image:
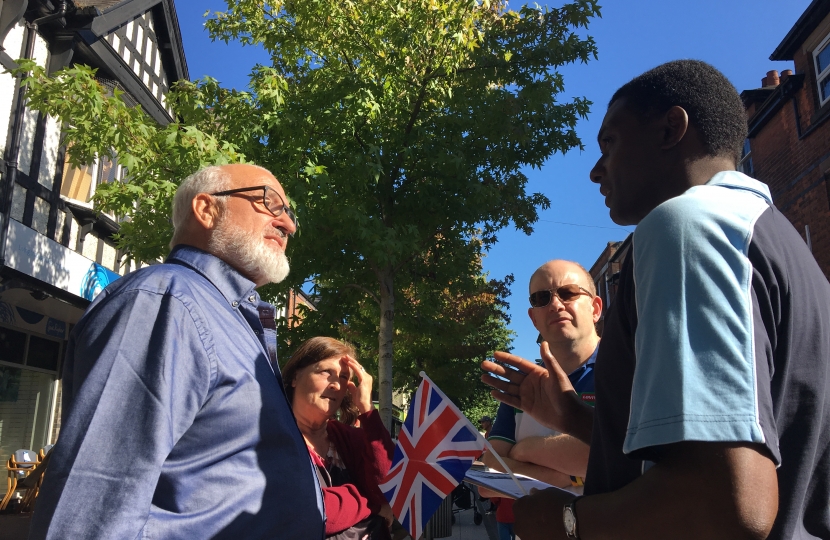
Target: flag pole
{"x":478,"y":435}
{"x":503,"y":464}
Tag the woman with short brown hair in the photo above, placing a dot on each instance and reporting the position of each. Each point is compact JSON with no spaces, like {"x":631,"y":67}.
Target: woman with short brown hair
{"x":350,"y":461}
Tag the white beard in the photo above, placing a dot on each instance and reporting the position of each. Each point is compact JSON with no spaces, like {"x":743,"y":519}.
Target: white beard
{"x":247,"y":252}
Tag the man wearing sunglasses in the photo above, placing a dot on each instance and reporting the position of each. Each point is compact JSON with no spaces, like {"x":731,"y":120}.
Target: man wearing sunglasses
{"x":175,"y":423}
{"x":564,"y":309}
{"x":712,"y":417}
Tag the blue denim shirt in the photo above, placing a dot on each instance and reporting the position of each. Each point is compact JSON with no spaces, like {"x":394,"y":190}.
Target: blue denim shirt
{"x":175,"y":422}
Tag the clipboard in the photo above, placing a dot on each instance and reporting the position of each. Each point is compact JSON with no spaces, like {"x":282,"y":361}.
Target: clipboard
{"x":504,"y":485}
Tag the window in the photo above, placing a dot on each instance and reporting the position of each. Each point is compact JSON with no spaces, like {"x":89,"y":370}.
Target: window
{"x":28,"y":389}
{"x":77,"y":183}
{"x":27,"y":405}
{"x":43,"y":353}
{"x":745,"y":164}
{"x":12,"y":346}
{"x":80,"y":184}
{"x":29,"y":350}
{"x":821,"y":57}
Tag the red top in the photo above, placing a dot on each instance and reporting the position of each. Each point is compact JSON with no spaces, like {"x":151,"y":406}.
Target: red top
{"x":504,"y":509}
{"x":367,"y":454}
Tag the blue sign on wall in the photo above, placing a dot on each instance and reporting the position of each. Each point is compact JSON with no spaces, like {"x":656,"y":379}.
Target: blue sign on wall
{"x":55,"y":328}
{"x":95,"y":280}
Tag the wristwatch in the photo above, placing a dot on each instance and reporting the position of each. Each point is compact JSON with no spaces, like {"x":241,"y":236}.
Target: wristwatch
{"x":569,"y":519}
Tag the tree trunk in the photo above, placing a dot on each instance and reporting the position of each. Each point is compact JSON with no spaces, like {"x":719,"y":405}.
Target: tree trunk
{"x":385,"y":349}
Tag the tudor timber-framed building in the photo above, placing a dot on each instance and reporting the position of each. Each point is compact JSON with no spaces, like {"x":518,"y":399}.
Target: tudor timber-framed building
{"x":56,"y":252}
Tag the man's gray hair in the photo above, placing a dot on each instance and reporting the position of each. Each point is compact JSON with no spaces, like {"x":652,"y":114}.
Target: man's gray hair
{"x":208,"y":180}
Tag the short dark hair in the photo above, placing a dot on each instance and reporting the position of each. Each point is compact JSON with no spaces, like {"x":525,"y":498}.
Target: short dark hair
{"x":712,"y":103}
{"x":316,"y":350}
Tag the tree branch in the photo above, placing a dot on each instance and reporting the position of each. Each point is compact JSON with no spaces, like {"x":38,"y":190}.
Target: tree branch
{"x":364,"y":289}
{"x":409,"y":259}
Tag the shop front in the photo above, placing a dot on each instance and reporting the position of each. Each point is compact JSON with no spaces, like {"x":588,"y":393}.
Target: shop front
{"x":45,"y":289}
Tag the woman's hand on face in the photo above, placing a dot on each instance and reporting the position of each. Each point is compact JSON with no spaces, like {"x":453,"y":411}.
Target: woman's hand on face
{"x":362,"y":391}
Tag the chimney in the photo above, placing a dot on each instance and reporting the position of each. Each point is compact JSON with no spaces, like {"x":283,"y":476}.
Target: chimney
{"x":770,"y":80}
{"x":786,"y":73}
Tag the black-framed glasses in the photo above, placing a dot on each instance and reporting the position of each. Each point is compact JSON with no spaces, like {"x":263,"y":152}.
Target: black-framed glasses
{"x":271,"y":200}
{"x":565,"y":293}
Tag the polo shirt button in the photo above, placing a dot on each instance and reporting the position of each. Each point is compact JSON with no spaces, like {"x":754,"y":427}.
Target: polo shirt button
{"x":235,"y":303}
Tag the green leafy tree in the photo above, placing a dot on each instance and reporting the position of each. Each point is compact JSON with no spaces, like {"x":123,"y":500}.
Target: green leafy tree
{"x":97,"y":123}
{"x":419,"y":117}
{"x":392,"y":124}
{"x":487,"y":406}
{"x":446,"y":324}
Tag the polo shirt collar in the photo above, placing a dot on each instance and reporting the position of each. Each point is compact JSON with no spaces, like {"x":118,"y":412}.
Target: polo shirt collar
{"x":737,"y":180}
{"x":576,"y":374}
{"x":235,"y":287}
{"x":593,"y":358}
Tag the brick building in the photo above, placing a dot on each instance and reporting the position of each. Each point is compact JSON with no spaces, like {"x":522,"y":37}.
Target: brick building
{"x":789,"y":137}
{"x":606,"y":273}
{"x":788,"y":146}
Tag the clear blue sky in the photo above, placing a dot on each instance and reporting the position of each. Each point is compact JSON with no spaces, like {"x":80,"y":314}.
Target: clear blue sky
{"x":736,"y":36}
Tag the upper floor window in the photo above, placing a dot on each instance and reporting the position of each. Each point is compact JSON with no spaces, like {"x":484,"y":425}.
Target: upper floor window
{"x":79,"y":183}
{"x":745,"y":164}
{"x":821,"y":57}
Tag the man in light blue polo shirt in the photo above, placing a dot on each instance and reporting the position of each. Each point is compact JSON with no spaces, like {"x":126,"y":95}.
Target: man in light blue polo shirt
{"x":712,"y":415}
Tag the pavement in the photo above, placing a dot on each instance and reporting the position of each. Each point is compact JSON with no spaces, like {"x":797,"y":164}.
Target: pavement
{"x":16,"y":526}
{"x":465,"y":529}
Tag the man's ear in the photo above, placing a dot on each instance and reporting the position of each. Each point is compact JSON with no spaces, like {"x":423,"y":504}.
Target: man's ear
{"x":596,"y":306}
{"x":530,"y":314}
{"x":205,"y":210}
{"x":675,"y":126}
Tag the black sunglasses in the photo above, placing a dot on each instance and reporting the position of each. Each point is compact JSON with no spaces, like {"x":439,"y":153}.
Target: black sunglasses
{"x":565,"y":293}
{"x":271,"y":200}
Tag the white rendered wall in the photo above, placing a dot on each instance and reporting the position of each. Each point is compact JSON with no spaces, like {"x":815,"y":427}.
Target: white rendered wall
{"x":13,"y":45}
{"x":18,"y":202}
{"x":30,"y":117}
{"x":49,"y":156}
{"x":40,"y":217}
{"x":90,"y":246}
{"x":73,"y":234}
{"x":108,"y":258}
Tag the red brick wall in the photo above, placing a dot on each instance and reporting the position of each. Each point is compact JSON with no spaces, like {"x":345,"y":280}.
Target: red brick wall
{"x":602,"y":271}
{"x":794,"y":167}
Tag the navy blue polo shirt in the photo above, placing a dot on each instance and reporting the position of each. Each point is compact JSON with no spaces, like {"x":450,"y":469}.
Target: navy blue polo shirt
{"x":507,"y":417}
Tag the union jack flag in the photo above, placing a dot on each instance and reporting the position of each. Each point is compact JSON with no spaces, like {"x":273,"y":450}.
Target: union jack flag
{"x":435,"y":449}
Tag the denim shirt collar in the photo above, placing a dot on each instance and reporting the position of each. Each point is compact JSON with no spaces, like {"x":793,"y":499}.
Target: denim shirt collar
{"x":235,"y":287}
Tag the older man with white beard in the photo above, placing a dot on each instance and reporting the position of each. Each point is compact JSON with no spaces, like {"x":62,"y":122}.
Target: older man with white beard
{"x":175,"y":423}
